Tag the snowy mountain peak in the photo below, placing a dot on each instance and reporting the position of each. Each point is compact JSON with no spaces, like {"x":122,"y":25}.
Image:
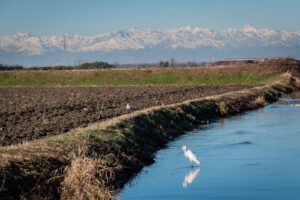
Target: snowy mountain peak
{"x":249,"y":29}
{"x":135,"y":39}
{"x":22,"y":35}
{"x":187,"y":28}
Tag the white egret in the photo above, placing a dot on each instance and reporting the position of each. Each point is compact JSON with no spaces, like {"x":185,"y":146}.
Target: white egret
{"x":190,"y":155}
{"x":128,"y":107}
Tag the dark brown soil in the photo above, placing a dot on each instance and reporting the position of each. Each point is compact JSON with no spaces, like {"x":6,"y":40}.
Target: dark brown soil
{"x":31,"y":113}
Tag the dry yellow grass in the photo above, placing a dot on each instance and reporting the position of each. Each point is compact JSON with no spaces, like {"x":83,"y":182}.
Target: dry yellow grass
{"x":81,"y":180}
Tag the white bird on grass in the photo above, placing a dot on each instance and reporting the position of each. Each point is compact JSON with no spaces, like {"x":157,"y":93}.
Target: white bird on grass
{"x":128,"y":107}
{"x":190,"y":155}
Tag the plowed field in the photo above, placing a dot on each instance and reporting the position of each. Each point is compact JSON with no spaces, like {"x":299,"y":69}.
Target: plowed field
{"x":30,"y":113}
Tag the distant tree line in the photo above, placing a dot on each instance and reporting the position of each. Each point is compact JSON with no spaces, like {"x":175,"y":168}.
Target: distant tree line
{"x":169,"y":63}
{"x":10,"y":67}
{"x":94,"y":65}
{"x":172,"y":63}
{"x":164,"y":64}
{"x":91,"y":65}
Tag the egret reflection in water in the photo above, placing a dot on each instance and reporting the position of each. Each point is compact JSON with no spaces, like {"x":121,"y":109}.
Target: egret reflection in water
{"x":190,"y":177}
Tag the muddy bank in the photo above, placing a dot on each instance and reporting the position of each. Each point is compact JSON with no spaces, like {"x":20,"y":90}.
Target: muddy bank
{"x":96,"y":161}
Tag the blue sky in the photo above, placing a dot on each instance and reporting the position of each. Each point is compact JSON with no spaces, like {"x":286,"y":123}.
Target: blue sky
{"x":89,"y":17}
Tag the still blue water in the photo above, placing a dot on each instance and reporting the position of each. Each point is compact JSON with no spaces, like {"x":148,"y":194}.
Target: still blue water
{"x":251,"y":156}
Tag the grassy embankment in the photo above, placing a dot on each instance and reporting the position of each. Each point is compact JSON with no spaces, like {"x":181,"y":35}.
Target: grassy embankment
{"x":248,"y":74}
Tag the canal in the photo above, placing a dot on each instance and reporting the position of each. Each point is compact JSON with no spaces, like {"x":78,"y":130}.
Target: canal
{"x":255,"y":155}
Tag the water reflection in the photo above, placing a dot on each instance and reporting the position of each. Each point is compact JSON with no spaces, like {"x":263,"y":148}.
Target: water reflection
{"x":295,"y":104}
{"x":190,"y":177}
{"x":288,"y":101}
{"x":222,"y":122}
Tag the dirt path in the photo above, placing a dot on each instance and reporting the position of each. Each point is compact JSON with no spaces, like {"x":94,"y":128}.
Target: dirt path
{"x":31,"y":113}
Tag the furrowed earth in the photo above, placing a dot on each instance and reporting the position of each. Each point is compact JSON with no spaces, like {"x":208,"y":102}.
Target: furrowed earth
{"x":31,"y":113}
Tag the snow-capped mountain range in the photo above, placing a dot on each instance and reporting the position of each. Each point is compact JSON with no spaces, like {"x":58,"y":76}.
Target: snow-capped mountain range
{"x":128,"y":42}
